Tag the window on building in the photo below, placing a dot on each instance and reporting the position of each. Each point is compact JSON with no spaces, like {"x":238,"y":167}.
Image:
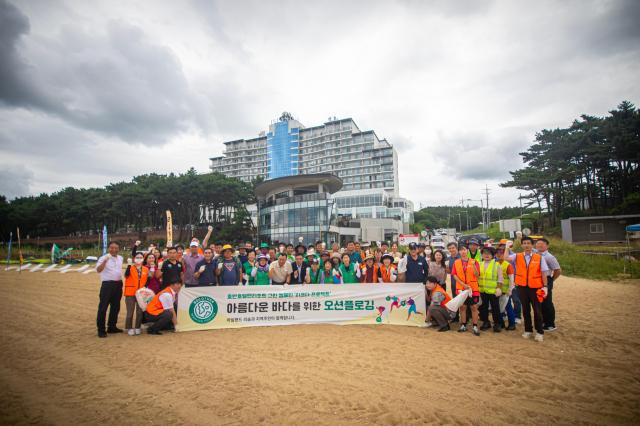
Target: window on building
{"x":596,"y":228}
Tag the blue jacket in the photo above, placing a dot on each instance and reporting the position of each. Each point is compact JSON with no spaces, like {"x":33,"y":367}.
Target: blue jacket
{"x":417,"y":270}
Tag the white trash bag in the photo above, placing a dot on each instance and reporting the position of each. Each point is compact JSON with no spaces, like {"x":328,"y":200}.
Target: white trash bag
{"x":504,"y":300}
{"x":454,"y":304}
{"x":143,"y":297}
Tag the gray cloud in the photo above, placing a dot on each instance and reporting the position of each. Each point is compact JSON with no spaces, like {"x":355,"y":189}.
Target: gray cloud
{"x":479,"y":155}
{"x":119,"y":83}
{"x":15,"y":181}
{"x":94,"y":92}
{"x":14,"y":87}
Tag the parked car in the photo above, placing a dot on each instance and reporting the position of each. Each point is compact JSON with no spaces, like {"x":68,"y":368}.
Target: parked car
{"x":464,"y":240}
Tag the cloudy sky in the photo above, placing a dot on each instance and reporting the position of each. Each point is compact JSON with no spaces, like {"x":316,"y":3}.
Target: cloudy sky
{"x":97,"y":92}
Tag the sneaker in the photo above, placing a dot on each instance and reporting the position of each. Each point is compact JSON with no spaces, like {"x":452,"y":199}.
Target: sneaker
{"x":518,"y":321}
{"x":476,"y":332}
{"x":539,"y":337}
{"x":102,"y":333}
{"x":550,"y":328}
{"x":511,"y":327}
{"x":154,"y":332}
{"x":138,"y":331}
{"x":445,"y":328}
{"x":485,"y":326}
{"x":526,"y":334}
{"x":462,"y":328}
{"x":131,"y":332}
{"x":497,"y":328}
{"x":428,"y":324}
{"x":114,"y":330}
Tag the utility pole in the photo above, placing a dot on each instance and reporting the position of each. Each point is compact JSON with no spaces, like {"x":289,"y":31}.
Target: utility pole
{"x":520,"y":198}
{"x":488,"y":215}
{"x":459,"y":222}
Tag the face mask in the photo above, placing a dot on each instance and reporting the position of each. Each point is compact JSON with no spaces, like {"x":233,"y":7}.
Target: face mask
{"x":137,"y":261}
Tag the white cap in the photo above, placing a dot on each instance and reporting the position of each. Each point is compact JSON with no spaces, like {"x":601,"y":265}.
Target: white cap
{"x":194,"y":244}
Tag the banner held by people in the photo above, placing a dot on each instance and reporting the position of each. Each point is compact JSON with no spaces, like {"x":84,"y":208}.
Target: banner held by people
{"x":204,"y":308}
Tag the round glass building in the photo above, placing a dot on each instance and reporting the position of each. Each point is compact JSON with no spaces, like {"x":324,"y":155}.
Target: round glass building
{"x":296,"y":206}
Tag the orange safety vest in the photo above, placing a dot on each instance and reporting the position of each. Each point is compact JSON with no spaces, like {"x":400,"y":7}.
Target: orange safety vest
{"x":386,"y":273}
{"x":155,"y":306}
{"x":134,"y":281}
{"x":467,"y":276}
{"x":374,"y":278}
{"x":530,"y":275}
{"x":438,"y":289}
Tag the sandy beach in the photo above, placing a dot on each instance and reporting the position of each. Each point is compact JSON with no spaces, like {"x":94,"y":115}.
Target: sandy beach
{"x":54,"y":370}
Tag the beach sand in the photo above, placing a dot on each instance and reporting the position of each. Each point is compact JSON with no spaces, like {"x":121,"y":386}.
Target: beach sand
{"x":54,"y":370}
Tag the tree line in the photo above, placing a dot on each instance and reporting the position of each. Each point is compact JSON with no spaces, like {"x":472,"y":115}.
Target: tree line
{"x":588,"y":168}
{"x":461,"y":218}
{"x":135,"y":206}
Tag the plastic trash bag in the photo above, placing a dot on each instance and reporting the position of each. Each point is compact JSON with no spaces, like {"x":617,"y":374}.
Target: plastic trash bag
{"x":504,"y":299}
{"x":143,"y":297}
{"x":455,"y":303}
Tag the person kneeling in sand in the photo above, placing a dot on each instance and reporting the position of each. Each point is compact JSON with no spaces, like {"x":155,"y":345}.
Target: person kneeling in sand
{"x":436,"y":309}
{"x":160,"y":311}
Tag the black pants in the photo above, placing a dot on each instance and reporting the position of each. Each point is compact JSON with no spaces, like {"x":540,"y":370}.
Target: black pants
{"x":439,"y":314}
{"x":548,"y":310}
{"x":528,"y":298}
{"x":110,"y":295}
{"x":490,"y":299}
{"x":160,"y":322}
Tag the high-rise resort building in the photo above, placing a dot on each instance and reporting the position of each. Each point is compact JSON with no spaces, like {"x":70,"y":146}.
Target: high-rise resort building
{"x":367,"y":207}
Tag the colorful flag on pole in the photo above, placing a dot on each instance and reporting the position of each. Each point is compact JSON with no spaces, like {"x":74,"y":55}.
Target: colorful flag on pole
{"x":169,"y":229}
{"x":104,"y":240}
{"x":20,"y":251}
{"x":9,"y":254}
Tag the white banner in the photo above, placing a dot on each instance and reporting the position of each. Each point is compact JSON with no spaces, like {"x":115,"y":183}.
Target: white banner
{"x":203,"y":308}
{"x":406,"y":239}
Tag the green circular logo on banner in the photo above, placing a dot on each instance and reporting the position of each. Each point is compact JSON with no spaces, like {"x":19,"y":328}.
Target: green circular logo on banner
{"x":203,"y":309}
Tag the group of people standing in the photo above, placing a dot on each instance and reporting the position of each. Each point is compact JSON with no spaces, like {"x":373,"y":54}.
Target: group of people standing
{"x":498,"y":282}
{"x":489,"y":274}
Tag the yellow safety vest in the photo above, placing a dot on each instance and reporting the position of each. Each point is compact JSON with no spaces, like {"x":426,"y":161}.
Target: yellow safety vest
{"x":488,"y":279}
{"x":505,"y":276}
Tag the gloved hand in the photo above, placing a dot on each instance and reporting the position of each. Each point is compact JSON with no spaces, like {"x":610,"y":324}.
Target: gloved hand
{"x":209,"y":228}
{"x":220,"y":265}
{"x":138,"y":243}
{"x":202,"y":268}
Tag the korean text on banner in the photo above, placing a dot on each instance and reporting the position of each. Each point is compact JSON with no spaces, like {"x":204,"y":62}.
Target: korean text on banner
{"x":203,"y":308}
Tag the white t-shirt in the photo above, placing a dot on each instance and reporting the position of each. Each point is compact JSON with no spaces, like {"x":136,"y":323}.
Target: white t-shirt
{"x":113,"y":268}
{"x":167,"y":299}
{"x":280,"y":273}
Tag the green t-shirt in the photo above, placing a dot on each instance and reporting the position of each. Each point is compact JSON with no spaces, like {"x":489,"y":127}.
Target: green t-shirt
{"x":314,"y":278}
{"x":262,"y":277}
{"x":348,"y":274}
{"x":247,"y":270}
